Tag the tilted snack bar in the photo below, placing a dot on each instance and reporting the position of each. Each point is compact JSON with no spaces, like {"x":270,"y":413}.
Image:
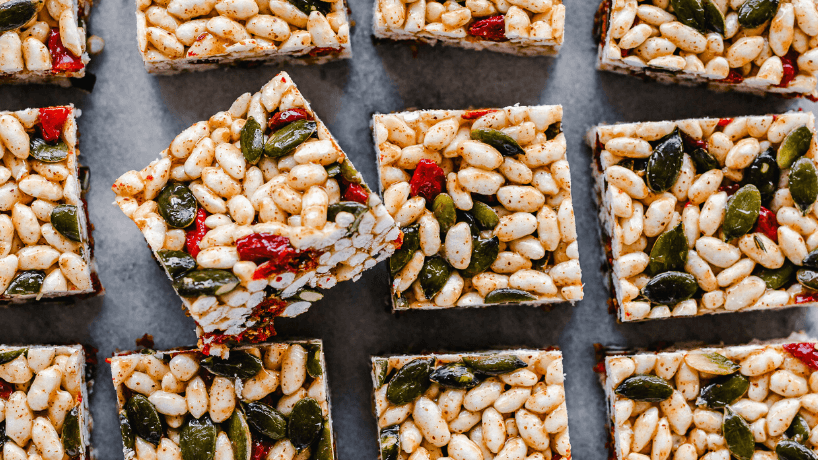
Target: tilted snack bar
{"x":46,"y":249}
{"x":763,"y":46}
{"x":756,"y":402}
{"x":484,"y":201}
{"x":267,"y":401}
{"x":44,"y":403}
{"x":250,"y":210}
{"x":709,"y":215}
{"x":522,"y":27}
{"x":186,"y":35}
{"x":508,"y":404}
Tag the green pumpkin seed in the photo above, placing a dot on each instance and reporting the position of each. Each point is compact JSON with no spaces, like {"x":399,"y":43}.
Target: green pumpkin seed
{"x":484,"y":252}
{"x":648,"y":388}
{"x":314,"y":367}
{"x":737,"y":435}
{"x":252,"y":141}
{"x":206,"y":282}
{"x":42,"y":150}
{"x":468,"y":218}
{"x":713,"y":18}
{"x":803,"y":184}
{"x":433,"y":275}
{"x":742,"y":212}
{"x":455,"y":375}
{"x":177,"y":205}
{"x":286,"y":139}
{"x":798,"y":430}
{"x":808,"y":278}
{"x":411,"y":243}
{"x":238,"y":431}
{"x":71,"y":437}
{"x":84,"y":178}
{"x":176,"y":263}
{"x":501,"y":141}
{"x":410,"y":381}
{"x":352,"y":207}
{"x":144,"y":418}
{"x":763,"y":172}
{"x":2,"y":434}
{"x":792,"y":450}
{"x":711,"y":363}
{"x":665,"y":163}
{"x":126,"y":429}
{"x":306,"y":421}
{"x":197,"y":440}
{"x":325,"y":450}
{"x":349,"y":173}
{"x":444,"y":210}
{"x":553,"y":130}
{"x":266,"y":420}
{"x":636,"y":165}
{"x":333,"y":169}
{"x":484,"y":215}
{"x":794,"y":146}
{"x":670,"y":288}
{"x":308,"y":6}
{"x":26,"y":283}
{"x":9,"y":356}
{"x":240,"y":364}
{"x":390,"y":443}
{"x":380,"y":368}
{"x":508,"y":295}
{"x":703,"y":161}
{"x":723,"y":391}
{"x":690,"y":13}
{"x":16,"y":13}
{"x":811,"y":260}
{"x":669,"y":252}
{"x":753,"y":13}
{"x":494,"y":364}
{"x":65,"y":219}
{"x":775,"y":278}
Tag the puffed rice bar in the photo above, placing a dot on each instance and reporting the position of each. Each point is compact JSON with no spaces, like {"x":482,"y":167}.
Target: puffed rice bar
{"x":44,"y":403}
{"x":267,"y":221}
{"x":472,"y":406}
{"x":266,"y":401}
{"x":749,"y":46}
{"x":185,"y":35}
{"x":522,"y":27}
{"x":708,"y":215}
{"x":757,"y":401}
{"x":43,"y":41}
{"x":46,"y":248}
{"x":484,"y":201}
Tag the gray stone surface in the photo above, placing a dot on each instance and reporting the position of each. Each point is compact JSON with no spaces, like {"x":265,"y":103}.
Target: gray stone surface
{"x":131,"y":116}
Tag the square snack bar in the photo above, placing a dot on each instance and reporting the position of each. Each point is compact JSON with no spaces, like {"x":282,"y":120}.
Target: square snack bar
{"x":471,"y":406}
{"x":44,"y":403}
{"x":484,"y":201}
{"x":43,"y":41}
{"x":521,"y":27}
{"x":759,"y":47}
{"x":46,"y":249}
{"x":757,"y":401}
{"x":186,"y":35}
{"x":269,"y":401}
{"x":272,"y":207}
{"x":709,"y":215}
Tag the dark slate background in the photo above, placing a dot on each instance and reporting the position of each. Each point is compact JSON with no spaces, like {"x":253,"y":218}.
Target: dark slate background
{"x":131,"y":116}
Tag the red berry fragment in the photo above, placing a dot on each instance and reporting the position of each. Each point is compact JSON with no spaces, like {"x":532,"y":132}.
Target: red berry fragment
{"x":475,"y":114}
{"x":492,"y":28}
{"x":356,"y":193}
{"x":52,"y":120}
{"x":730,"y":189}
{"x":194,"y":236}
{"x":692,"y":143}
{"x":806,"y":297}
{"x":789,"y":62}
{"x":805,"y":352}
{"x":261,"y":447}
{"x":258,"y":247}
{"x":733,"y":77}
{"x":285,"y":117}
{"x":6,"y":389}
{"x":428,"y":180}
{"x":724,"y":122}
{"x":62,"y":60}
{"x":767,"y":224}
{"x":323,"y":51}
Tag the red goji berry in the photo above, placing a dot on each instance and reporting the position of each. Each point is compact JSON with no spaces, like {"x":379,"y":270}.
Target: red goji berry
{"x":52,"y":120}
{"x":194,"y":236}
{"x":285,"y":117}
{"x":733,"y":77}
{"x":62,"y":60}
{"x":789,"y":62}
{"x":767,"y":224}
{"x":475,"y":114}
{"x":492,"y":28}
{"x":356,"y":192}
{"x":805,"y":352}
{"x":428,"y":180}
{"x":724,"y":122}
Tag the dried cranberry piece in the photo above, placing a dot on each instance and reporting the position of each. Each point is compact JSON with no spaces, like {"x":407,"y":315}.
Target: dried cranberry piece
{"x":805,"y":352}
{"x":261,"y":447}
{"x":475,"y":114}
{"x":428,"y":180}
{"x":62,"y":60}
{"x":789,"y":62}
{"x":194,"y":236}
{"x":806,"y":297}
{"x":691,"y":143}
{"x":767,"y":224}
{"x":492,"y":28}
{"x":730,"y":189}
{"x":323,"y":51}
{"x":52,"y":120}
{"x":724,"y":122}
{"x":259,"y":247}
{"x":355,"y":192}
{"x":733,"y":77}
{"x":6,"y":389}
{"x":285,"y":117}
